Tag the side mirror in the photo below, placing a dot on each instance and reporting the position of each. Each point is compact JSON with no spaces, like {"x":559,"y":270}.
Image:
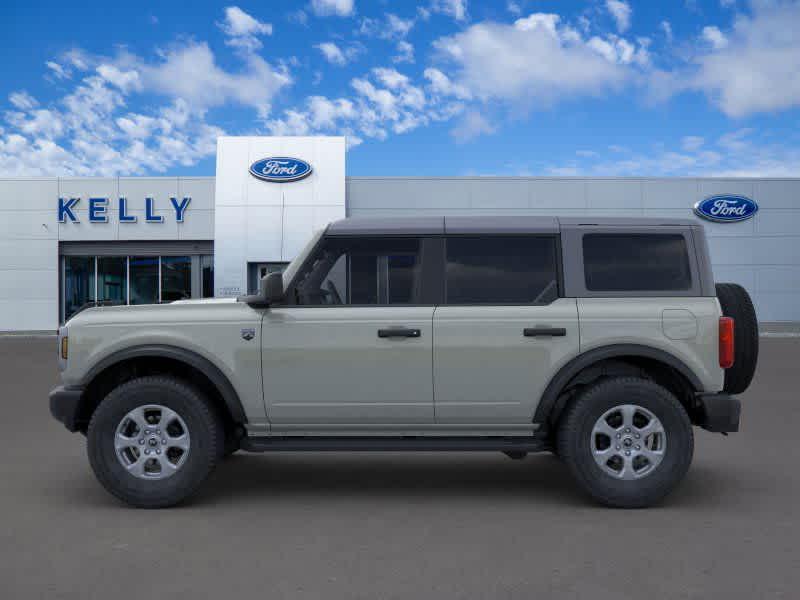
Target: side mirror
{"x":272,"y":288}
{"x":270,"y":291}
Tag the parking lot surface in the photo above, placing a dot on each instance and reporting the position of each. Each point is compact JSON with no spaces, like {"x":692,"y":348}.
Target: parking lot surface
{"x":394,"y":525}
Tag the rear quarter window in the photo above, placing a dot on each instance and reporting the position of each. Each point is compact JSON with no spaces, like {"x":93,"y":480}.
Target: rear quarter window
{"x":636,"y":262}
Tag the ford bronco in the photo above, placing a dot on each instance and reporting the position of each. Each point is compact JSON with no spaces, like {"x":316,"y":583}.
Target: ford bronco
{"x":601,"y":340}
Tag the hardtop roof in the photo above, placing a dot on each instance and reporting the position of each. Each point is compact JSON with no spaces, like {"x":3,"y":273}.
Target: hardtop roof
{"x":489,"y":224}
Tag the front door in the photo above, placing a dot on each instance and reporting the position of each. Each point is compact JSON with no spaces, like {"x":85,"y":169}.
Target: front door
{"x":502,"y":330}
{"x":352,"y":346}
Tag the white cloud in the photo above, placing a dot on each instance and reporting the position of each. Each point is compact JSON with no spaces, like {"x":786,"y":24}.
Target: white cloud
{"x":692,"y":143}
{"x":453,"y":8}
{"x":621,"y":11}
{"x":666,"y":27}
{"x":22,"y":100}
{"x":58,"y":70}
{"x":758,"y":70}
{"x":473,"y":124}
{"x":537,"y":60}
{"x":441,"y":84}
{"x":385,"y":101}
{"x":339,"y":8}
{"x":405,"y":52}
{"x":735,"y":154}
{"x":398,"y":27}
{"x":243,"y":29}
{"x":514,"y":8}
{"x":336,"y":55}
{"x":90,"y":130}
{"x":715,"y":37}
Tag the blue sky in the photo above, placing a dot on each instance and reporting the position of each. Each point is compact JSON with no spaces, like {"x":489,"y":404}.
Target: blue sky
{"x":435,"y":87}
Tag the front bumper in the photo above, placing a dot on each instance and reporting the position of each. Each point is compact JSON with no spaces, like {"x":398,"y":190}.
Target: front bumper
{"x":719,"y":412}
{"x":65,"y":406}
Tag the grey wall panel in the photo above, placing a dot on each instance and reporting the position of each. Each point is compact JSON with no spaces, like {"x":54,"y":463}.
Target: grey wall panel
{"x":614,"y":194}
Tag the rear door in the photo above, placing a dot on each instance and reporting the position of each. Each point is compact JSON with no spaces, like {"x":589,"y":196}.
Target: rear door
{"x":502,"y":330}
{"x":353,"y":347}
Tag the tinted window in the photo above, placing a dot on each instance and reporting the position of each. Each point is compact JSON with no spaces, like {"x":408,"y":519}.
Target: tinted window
{"x":361,"y":271}
{"x":630,"y":262}
{"x":501,"y":270}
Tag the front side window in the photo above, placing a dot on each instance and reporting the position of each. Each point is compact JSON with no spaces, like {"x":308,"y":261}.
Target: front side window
{"x":501,"y":270}
{"x":361,"y":271}
{"x":636,"y":262}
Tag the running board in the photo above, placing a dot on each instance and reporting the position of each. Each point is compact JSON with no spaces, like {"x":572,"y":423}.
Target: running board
{"x":393,"y":444}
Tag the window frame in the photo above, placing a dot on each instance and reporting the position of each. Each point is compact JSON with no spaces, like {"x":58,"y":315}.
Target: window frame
{"x":427,"y":260}
{"x":559,"y":271}
{"x":575,"y":269}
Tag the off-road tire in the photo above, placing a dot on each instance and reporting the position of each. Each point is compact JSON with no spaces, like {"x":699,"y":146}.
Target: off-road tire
{"x":205,"y":431}
{"x":575,"y":434}
{"x":736,"y":303}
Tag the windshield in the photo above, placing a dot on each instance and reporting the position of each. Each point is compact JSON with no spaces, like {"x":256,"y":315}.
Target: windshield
{"x":291,"y":270}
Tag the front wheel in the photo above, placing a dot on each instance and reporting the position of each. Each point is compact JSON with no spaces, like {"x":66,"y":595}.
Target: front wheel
{"x":627,"y":441}
{"x":152,"y":441}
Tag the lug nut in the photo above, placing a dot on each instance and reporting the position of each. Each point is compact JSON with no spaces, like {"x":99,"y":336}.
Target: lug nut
{"x":627,"y":452}
{"x":627,"y":430}
{"x":638,"y":447}
{"x":158,"y":431}
{"x":617,"y":447}
{"x":164,"y":442}
{"x":637,"y":436}
{"x":158,"y":451}
{"x":147,"y":451}
{"x":141,"y":441}
{"x":618,"y":436}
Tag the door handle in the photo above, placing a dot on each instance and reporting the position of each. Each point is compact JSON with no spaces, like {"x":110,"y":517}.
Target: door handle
{"x":544,"y":331}
{"x":400,"y":332}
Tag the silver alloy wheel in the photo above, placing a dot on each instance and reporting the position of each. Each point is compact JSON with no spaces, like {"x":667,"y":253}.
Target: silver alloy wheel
{"x":152,"y":442}
{"x":628,"y":442}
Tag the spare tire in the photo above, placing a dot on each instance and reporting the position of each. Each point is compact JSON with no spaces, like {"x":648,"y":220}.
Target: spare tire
{"x":736,"y":303}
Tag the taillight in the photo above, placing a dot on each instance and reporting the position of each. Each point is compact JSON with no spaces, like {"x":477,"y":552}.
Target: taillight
{"x":725,"y":342}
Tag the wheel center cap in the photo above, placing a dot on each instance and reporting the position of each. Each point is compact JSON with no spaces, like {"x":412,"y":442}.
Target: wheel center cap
{"x":152,"y":442}
{"x":627,"y":442}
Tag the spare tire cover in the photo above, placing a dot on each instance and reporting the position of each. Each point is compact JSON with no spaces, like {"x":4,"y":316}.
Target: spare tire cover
{"x":736,"y":303}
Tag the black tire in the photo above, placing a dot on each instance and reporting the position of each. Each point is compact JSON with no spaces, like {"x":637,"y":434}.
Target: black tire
{"x":575,"y":435}
{"x":204,"y":427}
{"x":736,"y":303}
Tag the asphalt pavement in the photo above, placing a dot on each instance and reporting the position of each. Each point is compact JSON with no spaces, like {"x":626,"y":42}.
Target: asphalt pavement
{"x":399,"y":525}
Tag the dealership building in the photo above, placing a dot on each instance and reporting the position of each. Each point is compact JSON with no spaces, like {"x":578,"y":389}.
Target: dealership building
{"x":133,"y":240}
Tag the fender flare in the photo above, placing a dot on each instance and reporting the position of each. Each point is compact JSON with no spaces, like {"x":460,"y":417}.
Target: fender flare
{"x":559,"y":381}
{"x":218,"y":379}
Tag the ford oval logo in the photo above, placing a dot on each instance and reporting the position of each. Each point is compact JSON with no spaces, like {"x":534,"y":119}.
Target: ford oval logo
{"x":280,"y":169}
{"x":726,"y":209}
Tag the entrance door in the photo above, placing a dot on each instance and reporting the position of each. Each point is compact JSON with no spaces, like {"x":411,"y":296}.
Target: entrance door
{"x":501,"y":330}
{"x":353,"y":347}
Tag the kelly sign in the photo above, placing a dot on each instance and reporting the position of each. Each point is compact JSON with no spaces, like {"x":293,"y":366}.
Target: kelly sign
{"x":98,"y":210}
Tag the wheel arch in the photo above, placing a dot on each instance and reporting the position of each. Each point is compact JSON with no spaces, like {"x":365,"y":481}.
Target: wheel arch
{"x":135,"y":361}
{"x":617,"y":359}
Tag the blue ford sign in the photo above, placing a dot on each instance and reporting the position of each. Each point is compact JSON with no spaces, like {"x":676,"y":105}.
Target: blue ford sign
{"x":280,"y":169}
{"x":726,"y":208}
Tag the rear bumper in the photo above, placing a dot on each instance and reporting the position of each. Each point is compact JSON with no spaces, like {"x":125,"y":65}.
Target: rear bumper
{"x":65,"y":405}
{"x":719,"y":412}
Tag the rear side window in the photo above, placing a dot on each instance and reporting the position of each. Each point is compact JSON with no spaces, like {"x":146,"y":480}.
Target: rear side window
{"x":501,"y":270}
{"x":636,"y":262}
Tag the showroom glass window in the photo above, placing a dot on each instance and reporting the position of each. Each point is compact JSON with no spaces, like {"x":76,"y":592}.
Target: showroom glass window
{"x":501,"y":270}
{"x":361,"y":271}
{"x":112,"y":279}
{"x":176,"y":278}
{"x":134,"y":279}
{"x":636,"y":262}
{"x":79,"y":283}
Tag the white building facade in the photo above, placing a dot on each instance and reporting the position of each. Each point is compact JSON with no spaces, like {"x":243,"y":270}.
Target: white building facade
{"x":129,"y":240}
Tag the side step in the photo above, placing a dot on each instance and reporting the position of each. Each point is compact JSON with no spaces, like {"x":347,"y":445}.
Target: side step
{"x":394,"y":444}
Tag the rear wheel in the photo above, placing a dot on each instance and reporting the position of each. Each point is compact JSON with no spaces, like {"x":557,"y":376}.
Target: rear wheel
{"x":152,"y":441}
{"x":627,"y":441}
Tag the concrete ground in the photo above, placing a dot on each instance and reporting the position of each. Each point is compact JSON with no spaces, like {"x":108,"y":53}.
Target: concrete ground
{"x":399,"y":525}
